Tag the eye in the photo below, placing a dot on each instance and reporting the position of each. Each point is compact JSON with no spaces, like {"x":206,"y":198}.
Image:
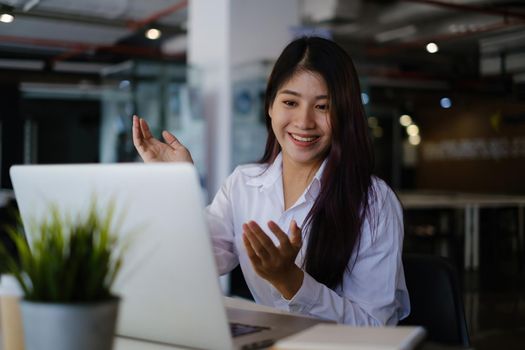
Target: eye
{"x":322,"y":107}
{"x":290,"y":103}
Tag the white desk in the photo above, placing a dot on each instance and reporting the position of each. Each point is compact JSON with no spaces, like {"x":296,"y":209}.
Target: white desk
{"x":122,"y":343}
{"x":128,"y":344}
{"x":471,"y":204}
{"x":132,"y":344}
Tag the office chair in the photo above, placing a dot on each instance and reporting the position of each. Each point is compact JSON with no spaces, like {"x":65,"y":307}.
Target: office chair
{"x":435,"y":299}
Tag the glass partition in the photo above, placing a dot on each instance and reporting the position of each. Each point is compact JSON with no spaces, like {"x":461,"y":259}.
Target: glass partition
{"x":249,"y":129}
{"x":167,"y":95}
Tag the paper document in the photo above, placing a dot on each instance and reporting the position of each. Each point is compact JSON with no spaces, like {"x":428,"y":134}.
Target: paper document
{"x":337,"y":337}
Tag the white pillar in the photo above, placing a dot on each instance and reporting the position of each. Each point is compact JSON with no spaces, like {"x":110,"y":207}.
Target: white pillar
{"x":222,"y":34}
{"x":209,"y":52}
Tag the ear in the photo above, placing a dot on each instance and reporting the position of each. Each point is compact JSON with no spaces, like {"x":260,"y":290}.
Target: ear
{"x":269,"y":112}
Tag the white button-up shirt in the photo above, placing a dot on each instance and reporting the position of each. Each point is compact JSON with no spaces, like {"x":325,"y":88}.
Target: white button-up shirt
{"x":373,"y":291}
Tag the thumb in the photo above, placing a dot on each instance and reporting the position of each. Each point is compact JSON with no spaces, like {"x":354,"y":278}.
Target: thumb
{"x":171,"y":139}
{"x":295,"y":239}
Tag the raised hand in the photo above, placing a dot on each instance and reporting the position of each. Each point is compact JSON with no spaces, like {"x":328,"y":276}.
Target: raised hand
{"x":152,"y":150}
{"x":275,"y":264}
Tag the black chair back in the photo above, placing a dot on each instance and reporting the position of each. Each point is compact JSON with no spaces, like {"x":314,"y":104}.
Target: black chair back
{"x":436,"y":300}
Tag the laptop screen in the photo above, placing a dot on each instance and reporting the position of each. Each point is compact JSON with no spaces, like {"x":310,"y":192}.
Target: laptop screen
{"x":168,"y":283}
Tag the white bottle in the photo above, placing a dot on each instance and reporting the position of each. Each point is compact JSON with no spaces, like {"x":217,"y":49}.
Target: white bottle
{"x":11,"y":320}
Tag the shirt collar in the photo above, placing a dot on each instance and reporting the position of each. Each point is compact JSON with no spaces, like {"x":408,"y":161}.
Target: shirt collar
{"x":269,"y":174}
{"x":315,"y":186}
{"x":274,"y":172}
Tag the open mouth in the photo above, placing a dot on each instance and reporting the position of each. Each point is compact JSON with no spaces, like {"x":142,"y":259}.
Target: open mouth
{"x":304,"y":140}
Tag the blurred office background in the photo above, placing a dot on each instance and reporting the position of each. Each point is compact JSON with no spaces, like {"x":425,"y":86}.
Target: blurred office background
{"x":443,"y":83}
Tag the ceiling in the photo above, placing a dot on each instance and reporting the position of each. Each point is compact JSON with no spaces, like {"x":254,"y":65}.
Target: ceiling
{"x":479,"y":40}
{"x":92,"y":30}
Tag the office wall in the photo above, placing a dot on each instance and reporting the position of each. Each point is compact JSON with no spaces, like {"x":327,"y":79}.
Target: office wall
{"x":478,"y":145}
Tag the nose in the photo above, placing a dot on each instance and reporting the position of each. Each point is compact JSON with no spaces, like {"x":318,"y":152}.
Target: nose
{"x":305,"y":119}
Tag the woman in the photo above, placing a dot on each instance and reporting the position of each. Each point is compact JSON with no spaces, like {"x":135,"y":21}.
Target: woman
{"x":333,"y":243}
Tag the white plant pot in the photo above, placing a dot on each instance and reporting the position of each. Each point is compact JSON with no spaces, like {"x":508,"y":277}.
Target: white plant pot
{"x":79,"y":326}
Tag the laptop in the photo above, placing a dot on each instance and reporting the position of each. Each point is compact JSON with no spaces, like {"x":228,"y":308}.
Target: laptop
{"x":169,"y":281}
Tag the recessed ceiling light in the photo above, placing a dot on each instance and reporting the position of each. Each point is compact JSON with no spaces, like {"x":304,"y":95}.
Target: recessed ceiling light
{"x":405,"y":120}
{"x":124,"y":84}
{"x":413,"y":130}
{"x":365,"y":98}
{"x":432,"y":47}
{"x":153,"y":34}
{"x":373,"y":122}
{"x":377,"y":132}
{"x":414,"y":140}
{"x":445,"y":102}
{"x":6,"y":18}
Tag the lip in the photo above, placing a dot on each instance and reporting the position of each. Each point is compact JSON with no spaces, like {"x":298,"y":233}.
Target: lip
{"x":303,"y":143}
{"x":303,"y":135}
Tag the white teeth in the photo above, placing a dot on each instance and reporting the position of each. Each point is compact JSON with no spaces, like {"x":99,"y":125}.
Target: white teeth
{"x":303,"y":139}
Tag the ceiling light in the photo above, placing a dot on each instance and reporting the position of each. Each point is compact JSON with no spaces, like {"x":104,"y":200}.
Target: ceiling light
{"x":413,"y":130}
{"x":365,"y":98}
{"x":153,"y":34}
{"x":414,"y":140}
{"x":445,"y":102}
{"x":373,"y":122}
{"x":6,"y":18}
{"x":432,"y":47}
{"x":405,"y":120}
{"x":377,"y":132}
{"x":124,"y":84}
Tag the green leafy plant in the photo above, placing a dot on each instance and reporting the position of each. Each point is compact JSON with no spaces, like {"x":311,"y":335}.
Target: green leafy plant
{"x":68,"y":260}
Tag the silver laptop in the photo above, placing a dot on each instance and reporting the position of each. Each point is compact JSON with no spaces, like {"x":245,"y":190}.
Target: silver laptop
{"x":169,"y":281}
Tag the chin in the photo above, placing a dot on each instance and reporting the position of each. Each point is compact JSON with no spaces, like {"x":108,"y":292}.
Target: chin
{"x":307,"y":160}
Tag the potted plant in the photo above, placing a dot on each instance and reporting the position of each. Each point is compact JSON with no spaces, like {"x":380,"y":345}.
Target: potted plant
{"x":66,"y":270}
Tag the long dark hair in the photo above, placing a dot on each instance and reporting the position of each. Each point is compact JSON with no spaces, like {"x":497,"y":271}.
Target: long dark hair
{"x":339,"y":211}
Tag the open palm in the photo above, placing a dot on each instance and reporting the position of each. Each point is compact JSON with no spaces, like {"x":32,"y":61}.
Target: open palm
{"x":152,"y":150}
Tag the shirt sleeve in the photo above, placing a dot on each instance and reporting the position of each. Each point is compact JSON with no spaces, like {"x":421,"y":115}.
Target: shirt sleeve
{"x":220,"y":224}
{"x":373,"y":292}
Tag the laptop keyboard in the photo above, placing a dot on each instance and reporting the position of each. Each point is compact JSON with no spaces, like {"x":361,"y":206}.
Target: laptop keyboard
{"x":238,"y":329}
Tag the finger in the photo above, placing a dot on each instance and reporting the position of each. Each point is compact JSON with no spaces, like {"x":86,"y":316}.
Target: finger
{"x":296,"y":238}
{"x":281,"y":236}
{"x":171,"y":139}
{"x":250,"y":251}
{"x":259,"y":248}
{"x":137,"y":132}
{"x":263,"y":238}
{"x":144,"y":127}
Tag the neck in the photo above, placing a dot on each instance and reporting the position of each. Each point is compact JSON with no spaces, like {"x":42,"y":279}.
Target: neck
{"x":296,"y":177}
{"x":299,"y":173}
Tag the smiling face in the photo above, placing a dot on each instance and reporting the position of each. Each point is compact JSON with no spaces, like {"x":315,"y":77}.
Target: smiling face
{"x":300,"y":118}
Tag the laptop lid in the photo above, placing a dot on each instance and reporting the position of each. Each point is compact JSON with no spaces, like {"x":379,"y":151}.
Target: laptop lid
{"x":168,"y":283}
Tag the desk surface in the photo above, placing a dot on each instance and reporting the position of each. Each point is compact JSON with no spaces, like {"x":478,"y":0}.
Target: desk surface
{"x":122,"y":343}
{"x":130,"y":344}
{"x":460,"y":200}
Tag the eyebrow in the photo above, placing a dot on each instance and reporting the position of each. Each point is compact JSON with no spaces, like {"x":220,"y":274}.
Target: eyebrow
{"x":294,"y":93}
